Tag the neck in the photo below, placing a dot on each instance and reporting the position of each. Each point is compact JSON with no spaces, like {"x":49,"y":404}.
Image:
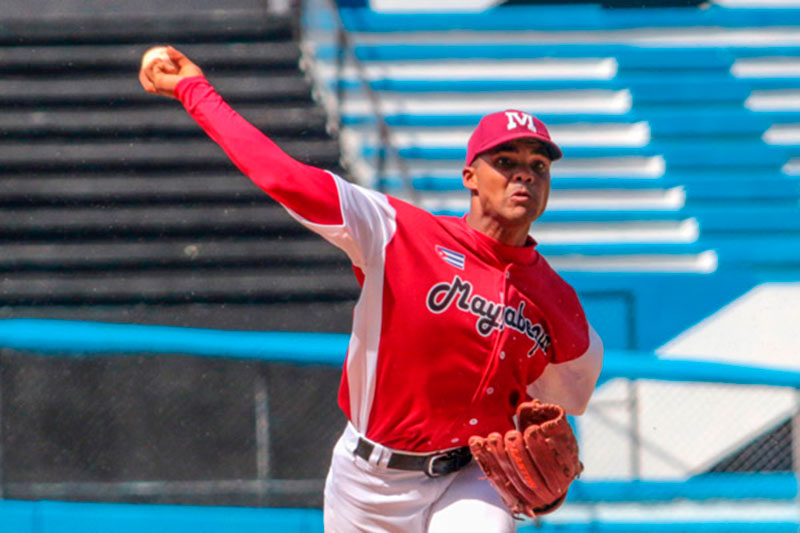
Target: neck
{"x":510,"y":235}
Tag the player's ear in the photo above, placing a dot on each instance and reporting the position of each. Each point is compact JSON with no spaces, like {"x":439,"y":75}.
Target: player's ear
{"x":469,"y":177}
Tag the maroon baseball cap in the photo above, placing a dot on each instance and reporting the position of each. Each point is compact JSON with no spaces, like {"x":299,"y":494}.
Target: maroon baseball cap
{"x":497,"y":128}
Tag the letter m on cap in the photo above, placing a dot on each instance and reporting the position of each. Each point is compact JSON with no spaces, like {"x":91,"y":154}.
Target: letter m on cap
{"x":516,"y":119}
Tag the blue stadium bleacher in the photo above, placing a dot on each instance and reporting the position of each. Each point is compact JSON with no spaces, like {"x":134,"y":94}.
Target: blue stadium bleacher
{"x":679,"y":192}
{"x":678,"y":128}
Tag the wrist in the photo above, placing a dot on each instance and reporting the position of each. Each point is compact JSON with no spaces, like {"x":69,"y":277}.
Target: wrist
{"x":185,"y":83}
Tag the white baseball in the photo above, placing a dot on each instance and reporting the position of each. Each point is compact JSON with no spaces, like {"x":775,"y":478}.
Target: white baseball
{"x":157,"y":52}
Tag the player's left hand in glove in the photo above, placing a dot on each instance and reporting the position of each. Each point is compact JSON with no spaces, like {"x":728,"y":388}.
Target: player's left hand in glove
{"x":532,"y":467}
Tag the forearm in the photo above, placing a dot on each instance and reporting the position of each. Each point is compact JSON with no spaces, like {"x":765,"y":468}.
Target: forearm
{"x":308,"y":191}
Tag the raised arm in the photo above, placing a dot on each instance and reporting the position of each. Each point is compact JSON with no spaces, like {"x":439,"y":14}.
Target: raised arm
{"x":358,"y":220}
{"x":307,"y":191}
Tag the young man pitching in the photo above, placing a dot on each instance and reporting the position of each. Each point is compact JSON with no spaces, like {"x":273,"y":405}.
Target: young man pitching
{"x":465,"y":343}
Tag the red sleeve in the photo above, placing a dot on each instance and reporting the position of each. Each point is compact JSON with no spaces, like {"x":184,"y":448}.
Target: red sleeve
{"x":308,"y":191}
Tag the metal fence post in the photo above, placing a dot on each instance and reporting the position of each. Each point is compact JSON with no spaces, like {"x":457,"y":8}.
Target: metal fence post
{"x":636,"y":444}
{"x":795,"y":436}
{"x":261,"y":412}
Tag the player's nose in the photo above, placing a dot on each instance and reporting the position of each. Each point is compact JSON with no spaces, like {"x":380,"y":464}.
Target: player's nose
{"x":523,"y":176}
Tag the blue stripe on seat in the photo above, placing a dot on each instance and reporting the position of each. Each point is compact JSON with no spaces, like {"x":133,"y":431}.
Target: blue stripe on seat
{"x":659,"y":116}
{"x":666,"y":121}
{"x":571,"y":17}
{"x":645,"y":89}
{"x":629,"y":57}
{"x":679,"y":154}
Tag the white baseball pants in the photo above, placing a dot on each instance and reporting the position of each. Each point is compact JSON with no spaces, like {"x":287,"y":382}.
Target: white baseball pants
{"x":367,"y":497}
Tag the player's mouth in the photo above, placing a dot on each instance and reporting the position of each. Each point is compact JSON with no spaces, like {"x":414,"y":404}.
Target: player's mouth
{"x":522,"y":193}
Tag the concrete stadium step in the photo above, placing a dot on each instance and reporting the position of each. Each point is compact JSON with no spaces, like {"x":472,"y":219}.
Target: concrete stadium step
{"x":622,"y":167}
{"x":125,"y":188}
{"x":578,"y":200}
{"x":162,"y":252}
{"x":673,"y":231}
{"x":124,"y":89}
{"x":118,"y":207}
{"x":498,"y":69}
{"x":566,"y":135}
{"x":599,"y":102}
{"x":93,"y":223}
{"x":329,"y":314}
{"x":218,"y":26}
{"x":695,"y":263}
{"x":157,"y":120}
{"x":146,"y":153}
{"x":40,"y":61}
{"x":188,"y":285}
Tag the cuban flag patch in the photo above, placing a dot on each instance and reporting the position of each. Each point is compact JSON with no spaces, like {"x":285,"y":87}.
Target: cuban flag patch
{"x":450,"y":257}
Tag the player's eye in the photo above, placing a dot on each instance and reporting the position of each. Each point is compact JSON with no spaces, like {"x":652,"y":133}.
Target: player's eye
{"x":504,"y":162}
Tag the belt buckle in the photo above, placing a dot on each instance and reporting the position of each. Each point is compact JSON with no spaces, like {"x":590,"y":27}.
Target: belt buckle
{"x":433,"y":458}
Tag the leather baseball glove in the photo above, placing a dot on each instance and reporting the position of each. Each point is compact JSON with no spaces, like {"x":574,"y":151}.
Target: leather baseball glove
{"x":532,"y":467}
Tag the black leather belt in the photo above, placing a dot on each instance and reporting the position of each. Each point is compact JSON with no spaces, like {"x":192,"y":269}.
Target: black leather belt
{"x":434,"y":464}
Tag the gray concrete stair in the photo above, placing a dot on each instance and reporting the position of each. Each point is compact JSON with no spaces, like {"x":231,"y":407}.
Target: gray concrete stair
{"x":114,"y":202}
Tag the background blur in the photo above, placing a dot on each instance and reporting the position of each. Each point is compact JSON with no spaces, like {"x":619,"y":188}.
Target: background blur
{"x":150,"y":296}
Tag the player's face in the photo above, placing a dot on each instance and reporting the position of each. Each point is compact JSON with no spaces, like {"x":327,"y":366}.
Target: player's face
{"x":511,"y":182}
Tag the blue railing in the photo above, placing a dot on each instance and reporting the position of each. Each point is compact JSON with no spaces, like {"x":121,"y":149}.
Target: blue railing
{"x":63,"y":338}
{"x":66,"y":337}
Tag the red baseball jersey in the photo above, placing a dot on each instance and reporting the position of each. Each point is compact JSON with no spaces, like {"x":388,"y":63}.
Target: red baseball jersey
{"x":452,"y":329}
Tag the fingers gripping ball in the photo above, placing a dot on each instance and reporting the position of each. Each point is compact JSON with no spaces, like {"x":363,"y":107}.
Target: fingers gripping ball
{"x":156,"y":53}
{"x":533,"y":467}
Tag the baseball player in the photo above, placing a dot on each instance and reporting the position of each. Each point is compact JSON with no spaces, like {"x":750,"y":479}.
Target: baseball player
{"x":459,"y":325}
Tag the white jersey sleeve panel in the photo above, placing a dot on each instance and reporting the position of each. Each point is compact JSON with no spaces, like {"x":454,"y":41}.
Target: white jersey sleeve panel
{"x":369,"y":223}
{"x":571,"y":384}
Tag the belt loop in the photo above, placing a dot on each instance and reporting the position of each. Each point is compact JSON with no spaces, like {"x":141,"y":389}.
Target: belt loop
{"x":383,"y":456}
{"x":375,"y":455}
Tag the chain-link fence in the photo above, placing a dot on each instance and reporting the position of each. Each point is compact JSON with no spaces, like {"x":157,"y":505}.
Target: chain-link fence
{"x":250,"y":420}
{"x":167,"y":429}
{"x":664,"y":430}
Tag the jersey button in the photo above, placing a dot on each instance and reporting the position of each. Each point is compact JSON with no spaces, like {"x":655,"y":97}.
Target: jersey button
{"x":508,"y":274}
{"x":473,"y":422}
{"x":502,"y":355}
{"x":490,"y":390}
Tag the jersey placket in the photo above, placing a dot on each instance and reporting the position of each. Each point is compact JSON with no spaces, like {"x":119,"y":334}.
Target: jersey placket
{"x":496,"y":364}
{"x":509,"y":358}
